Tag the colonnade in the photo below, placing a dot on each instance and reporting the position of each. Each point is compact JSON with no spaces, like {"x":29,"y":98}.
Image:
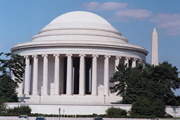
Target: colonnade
{"x":69,"y":82}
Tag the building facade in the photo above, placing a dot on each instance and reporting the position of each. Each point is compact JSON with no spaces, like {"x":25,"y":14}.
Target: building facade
{"x":71,"y":60}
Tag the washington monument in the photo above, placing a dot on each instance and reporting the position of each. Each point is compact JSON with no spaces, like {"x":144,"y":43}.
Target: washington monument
{"x":154,"y":60}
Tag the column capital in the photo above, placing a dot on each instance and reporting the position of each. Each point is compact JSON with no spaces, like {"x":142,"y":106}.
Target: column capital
{"x":135,"y":59}
{"x":26,"y":56}
{"x":118,"y":57}
{"x":34,"y":56}
{"x":56,"y":55}
{"x":107,"y":56}
{"x":82,"y":55}
{"x":45,"y":55}
{"x":138,"y":59}
{"x":68,"y":55}
{"x":95,"y":55}
{"x":127,"y":58}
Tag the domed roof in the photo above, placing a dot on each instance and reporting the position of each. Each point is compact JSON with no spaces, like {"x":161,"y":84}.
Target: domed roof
{"x":79,"y":26}
{"x":80,"y":16}
{"x":79,"y":29}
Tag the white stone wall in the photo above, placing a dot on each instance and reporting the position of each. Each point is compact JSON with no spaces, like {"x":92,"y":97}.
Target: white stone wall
{"x":62,"y":118}
{"x":83,"y":109}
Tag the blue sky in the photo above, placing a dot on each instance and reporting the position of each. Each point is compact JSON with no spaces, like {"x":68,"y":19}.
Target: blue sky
{"x":135,"y":19}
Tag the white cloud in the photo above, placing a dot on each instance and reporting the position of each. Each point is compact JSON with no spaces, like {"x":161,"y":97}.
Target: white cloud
{"x":91,"y":6}
{"x":113,"y":6}
{"x":170,"y":23}
{"x":96,"y":6}
{"x":134,"y":13}
{"x":162,"y":17}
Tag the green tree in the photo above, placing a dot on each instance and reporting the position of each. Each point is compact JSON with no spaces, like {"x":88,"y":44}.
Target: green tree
{"x":116,"y":112}
{"x":124,"y":81}
{"x":20,"y":110}
{"x":166,"y":78}
{"x":177,"y":99}
{"x":2,"y":106}
{"x":144,"y":106}
{"x":8,"y":89}
{"x":14,"y":63}
{"x":120,"y":79}
{"x":148,"y":89}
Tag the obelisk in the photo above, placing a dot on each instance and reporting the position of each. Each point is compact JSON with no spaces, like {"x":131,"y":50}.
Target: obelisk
{"x":154,"y":59}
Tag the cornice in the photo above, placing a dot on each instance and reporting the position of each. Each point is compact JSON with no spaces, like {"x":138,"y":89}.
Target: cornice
{"x":51,"y":45}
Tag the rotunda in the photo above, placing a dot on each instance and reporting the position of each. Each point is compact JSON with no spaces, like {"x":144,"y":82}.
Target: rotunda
{"x":71,"y":60}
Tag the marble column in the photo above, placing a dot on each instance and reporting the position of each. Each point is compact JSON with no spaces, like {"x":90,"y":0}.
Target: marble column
{"x":45,"y":74}
{"x":82,"y":75}
{"x":69,"y":75}
{"x":117,"y":60}
{"x":134,"y":62}
{"x":143,"y":63}
{"x":106,"y":75}
{"x":26,"y":85}
{"x":20,"y":89}
{"x":126,"y":62}
{"x":35,"y":75}
{"x":94,"y":75}
{"x":56,"y":74}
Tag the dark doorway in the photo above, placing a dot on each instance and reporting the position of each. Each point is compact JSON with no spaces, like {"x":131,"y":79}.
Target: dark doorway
{"x":76,"y":74}
{"x":130,"y":63}
{"x":65,"y":75}
{"x":88,"y":72}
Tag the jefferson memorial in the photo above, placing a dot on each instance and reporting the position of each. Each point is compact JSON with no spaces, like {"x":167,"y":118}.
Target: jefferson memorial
{"x":71,"y":60}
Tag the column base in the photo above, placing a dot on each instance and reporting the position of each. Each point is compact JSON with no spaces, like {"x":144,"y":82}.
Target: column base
{"x":45,"y":95}
{"x":56,"y":95}
{"x":94,"y":94}
{"x":34,"y":95}
{"x":82,"y":94}
{"x":68,"y":94}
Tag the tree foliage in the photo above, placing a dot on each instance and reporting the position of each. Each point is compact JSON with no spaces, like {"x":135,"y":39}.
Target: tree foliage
{"x":2,"y":106}
{"x":20,"y":110}
{"x":116,"y":112}
{"x":147,"y":107}
{"x":147,"y":89}
{"x":8,"y":89}
{"x":14,"y":63}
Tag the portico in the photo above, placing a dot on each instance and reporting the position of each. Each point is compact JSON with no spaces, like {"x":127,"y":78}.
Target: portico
{"x":67,"y":83}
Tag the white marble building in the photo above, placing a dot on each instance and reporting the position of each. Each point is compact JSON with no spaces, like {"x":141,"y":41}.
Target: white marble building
{"x":72,"y":58}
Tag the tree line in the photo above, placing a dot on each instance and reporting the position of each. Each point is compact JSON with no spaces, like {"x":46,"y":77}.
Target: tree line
{"x":11,"y":73}
{"x":149,"y":89}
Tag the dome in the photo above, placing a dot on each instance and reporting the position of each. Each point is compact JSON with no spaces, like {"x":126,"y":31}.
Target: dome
{"x":80,"y":29}
{"x":79,"y":26}
{"x":80,"y":16}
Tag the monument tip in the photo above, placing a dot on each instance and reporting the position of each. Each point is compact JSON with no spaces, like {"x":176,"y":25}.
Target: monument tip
{"x":154,"y":31}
